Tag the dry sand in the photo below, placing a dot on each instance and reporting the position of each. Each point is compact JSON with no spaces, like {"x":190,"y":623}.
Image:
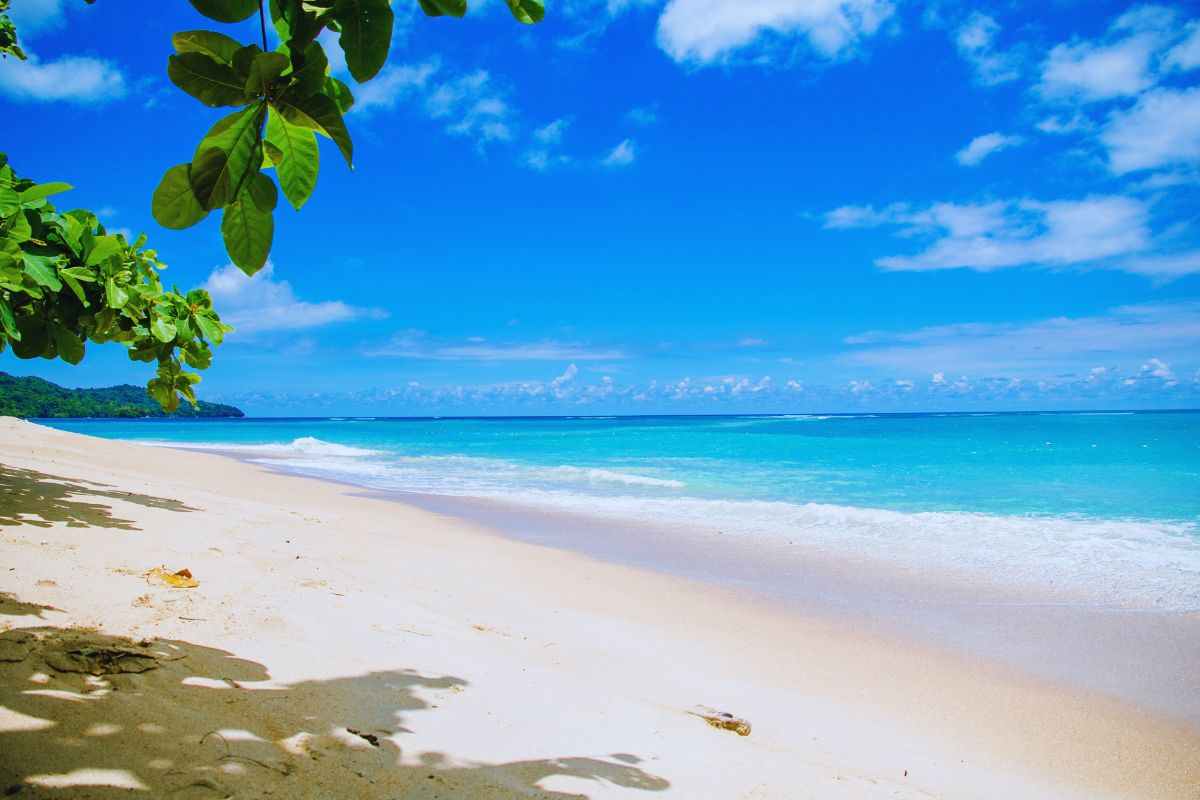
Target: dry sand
{"x":344,"y":646}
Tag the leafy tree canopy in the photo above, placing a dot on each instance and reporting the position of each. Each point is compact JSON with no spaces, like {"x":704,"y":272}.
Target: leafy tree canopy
{"x":64,"y":280}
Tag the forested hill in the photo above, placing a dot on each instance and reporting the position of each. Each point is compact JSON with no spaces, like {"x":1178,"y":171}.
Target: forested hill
{"x":34,"y":397}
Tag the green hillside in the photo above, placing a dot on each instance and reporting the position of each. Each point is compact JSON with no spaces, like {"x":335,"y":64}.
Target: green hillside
{"x":34,"y":397}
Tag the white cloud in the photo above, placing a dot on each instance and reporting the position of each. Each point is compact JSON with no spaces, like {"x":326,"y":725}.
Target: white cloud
{"x":70,"y":79}
{"x":260,"y":304}
{"x":1157,"y":368}
{"x":621,"y":156}
{"x":544,"y":154}
{"x":32,"y":16}
{"x":1186,"y":54}
{"x":751,"y":341}
{"x":1119,"y":66}
{"x":983,"y":146}
{"x":1013,"y":233}
{"x":643,"y":115}
{"x":975,"y":40}
{"x":393,"y":83}
{"x":1043,"y":347}
{"x":417,"y":345}
{"x":705,"y":31}
{"x":475,"y":109}
{"x":1076,"y":123}
{"x":1162,"y":129}
{"x":1092,"y":73}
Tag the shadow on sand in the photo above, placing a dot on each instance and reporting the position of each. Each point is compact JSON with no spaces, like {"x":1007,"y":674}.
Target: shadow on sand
{"x":84,"y":715}
{"x":28,"y":497}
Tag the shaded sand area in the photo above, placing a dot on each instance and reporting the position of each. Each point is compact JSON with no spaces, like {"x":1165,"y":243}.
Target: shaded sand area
{"x":345,"y":646}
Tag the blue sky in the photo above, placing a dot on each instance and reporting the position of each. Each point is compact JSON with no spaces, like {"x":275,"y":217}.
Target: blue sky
{"x":697,"y":205}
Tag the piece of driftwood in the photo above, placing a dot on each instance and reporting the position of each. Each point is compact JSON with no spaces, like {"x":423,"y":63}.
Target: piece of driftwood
{"x":722,"y":720}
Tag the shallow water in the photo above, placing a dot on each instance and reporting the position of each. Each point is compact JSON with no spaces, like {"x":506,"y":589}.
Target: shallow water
{"x":1106,"y":506}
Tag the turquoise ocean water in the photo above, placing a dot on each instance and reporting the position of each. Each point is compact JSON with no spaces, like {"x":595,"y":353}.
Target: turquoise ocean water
{"x":1107,"y":503}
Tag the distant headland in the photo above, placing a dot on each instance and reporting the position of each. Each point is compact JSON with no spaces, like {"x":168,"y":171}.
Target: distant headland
{"x":34,"y":397}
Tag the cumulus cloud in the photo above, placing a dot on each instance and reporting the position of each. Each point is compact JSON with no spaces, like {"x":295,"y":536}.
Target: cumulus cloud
{"x":1133,"y":334}
{"x":1161,"y":129}
{"x":416,"y":344}
{"x":392,"y":84}
{"x":1185,"y":55}
{"x":71,"y":79}
{"x":706,"y":31}
{"x":643,"y":115}
{"x":544,"y":153}
{"x":1120,"y":65}
{"x":622,"y":155}
{"x":983,"y":146}
{"x":1109,"y":231}
{"x":33,"y":16}
{"x":975,"y":40}
{"x":261,"y":304}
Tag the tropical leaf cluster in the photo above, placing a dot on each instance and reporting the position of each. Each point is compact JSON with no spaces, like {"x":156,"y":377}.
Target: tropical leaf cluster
{"x":8,"y":34}
{"x":66,"y":281}
{"x":284,"y":99}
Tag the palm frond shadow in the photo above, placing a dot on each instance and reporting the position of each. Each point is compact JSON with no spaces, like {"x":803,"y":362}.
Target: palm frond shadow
{"x":29,"y":497}
{"x":180,"y":720}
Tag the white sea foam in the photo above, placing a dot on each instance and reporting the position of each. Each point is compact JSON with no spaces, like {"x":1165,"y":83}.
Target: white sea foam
{"x":1148,"y":564}
{"x":303,"y":446}
{"x":1137,"y":563}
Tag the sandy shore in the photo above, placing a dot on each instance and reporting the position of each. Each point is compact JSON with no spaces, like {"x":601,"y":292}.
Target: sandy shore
{"x":345,"y":646}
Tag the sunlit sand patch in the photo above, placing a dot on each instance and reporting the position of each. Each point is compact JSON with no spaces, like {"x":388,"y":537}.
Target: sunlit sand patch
{"x":116,"y":778}
{"x":14,"y":721}
{"x":60,"y":694}
{"x":102,"y":729}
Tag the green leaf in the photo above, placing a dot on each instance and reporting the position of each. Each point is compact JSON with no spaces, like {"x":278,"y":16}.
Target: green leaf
{"x":272,"y":155}
{"x":310,"y":78}
{"x":209,"y":81}
{"x":226,"y":157}
{"x":320,"y":114}
{"x":115,"y":296}
{"x":163,"y":329}
{"x":70,"y":346}
{"x":301,"y":158}
{"x":243,"y":58}
{"x":339,"y":93}
{"x":366,"y":34}
{"x":104,"y":247}
{"x":175,"y":205}
{"x":248,"y":230}
{"x":226,"y":10}
{"x":438,"y":8}
{"x":41,"y":269}
{"x":10,"y":201}
{"x":34,"y":338}
{"x":263,"y":193}
{"x":7,"y":321}
{"x":527,"y":11}
{"x":19,"y":228}
{"x":265,"y":68}
{"x":210,"y":328}
{"x":78,"y":273}
{"x":41,"y":191}
{"x":76,"y":288}
{"x":217,"y":46}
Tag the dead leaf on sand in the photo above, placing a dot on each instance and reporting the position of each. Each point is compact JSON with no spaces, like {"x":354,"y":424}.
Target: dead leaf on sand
{"x":179,"y":580}
{"x":722,"y":720}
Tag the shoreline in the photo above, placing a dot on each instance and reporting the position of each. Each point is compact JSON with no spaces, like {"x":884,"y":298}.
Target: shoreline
{"x":1056,"y":635}
{"x":575,"y":674}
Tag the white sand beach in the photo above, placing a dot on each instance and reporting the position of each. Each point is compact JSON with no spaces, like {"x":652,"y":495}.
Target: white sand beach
{"x":347,"y":646}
